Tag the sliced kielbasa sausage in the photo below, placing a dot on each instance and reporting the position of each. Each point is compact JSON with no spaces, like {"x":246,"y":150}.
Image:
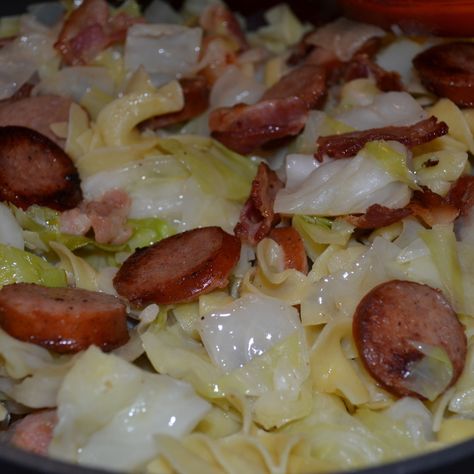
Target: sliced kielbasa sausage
{"x":293,"y":248}
{"x":64,"y":320}
{"x":34,"y":170}
{"x":37,"y":112}
{"x":180,"y":268}
{"x":392,"y":318}
{"x":447,"y":70}
{"x":34,"y":432}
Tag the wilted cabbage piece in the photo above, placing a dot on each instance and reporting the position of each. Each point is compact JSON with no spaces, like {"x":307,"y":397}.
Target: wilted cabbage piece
{"x":109,"y":412}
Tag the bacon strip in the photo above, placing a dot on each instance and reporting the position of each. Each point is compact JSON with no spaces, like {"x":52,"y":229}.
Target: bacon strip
{"x":349,"y":144}
{"x":219,"y":20}
{"x":257,"y":216}
{"x":361,"y":67}
{"x":309,"y":83}
{"x":196,"y":102}
{"x":461,"y":194}
{"x":89,"y":30}
{"x":107,"y":217}
{"x":378,"y":216}
{"x":243,"y":128}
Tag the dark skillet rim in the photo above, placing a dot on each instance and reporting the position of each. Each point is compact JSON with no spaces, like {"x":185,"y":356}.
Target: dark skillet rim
{"x":457,"y":458}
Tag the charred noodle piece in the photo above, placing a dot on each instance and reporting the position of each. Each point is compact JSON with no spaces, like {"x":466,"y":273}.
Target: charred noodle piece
{"x":349,"y":144}
{"x":34,"y":432}
{"x":309,"y":83}
{"x":37,"y":113}
{"x":34,"y":170}
{"x":180,"y":268}
{"x":243,"y":128}
{"x":257,"y":216}
{"x":64,"y":320}
{"x":394,"y":315}
{"x":90,"y":29}
{"x":196,"y":101}
{"x":293,"y":248}
{"x":447,"y":70}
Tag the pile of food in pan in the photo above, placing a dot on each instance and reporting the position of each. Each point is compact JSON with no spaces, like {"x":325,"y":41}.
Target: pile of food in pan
{"x":233,"y":250}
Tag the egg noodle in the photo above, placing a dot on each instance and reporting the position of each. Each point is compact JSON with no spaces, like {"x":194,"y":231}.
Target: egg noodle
{"x":263,"y":376}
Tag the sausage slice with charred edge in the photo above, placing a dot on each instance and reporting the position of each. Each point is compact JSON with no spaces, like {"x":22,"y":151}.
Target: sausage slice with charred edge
{"x":392,"y":318}
{"x":34,"y":170}
{"x":293,"y":248}
{"x":447,"y":70}
{"x":64,"y":320}
{"x":180,"y":268}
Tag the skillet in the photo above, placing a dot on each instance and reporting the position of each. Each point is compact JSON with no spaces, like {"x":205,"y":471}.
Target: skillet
{"x":458,"y":458}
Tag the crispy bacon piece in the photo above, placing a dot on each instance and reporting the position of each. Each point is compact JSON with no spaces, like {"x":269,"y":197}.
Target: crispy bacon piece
{"x":216,"y":54}
{"x":378,"y":216}
{"x":361,"y":66}
{"x":293,"y":248}
{"x":349,"y":144}
{"x":447,"y":70}
{"x":461,"y":194}
{"x":244,"y":128}
{"x":34,"y":432}
{"x":107,"y":217}
{"x":89,"y":30}
{"x":309,"y":83}
{"x":219,"y":20}
{"x":196,"y":101}
{"x":257,"y":216}
{"x":432,"y":208}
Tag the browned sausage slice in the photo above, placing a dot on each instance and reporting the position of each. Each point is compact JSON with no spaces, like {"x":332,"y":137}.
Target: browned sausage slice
{"x":306,"y":82}
{"x":395,"y":315}
{"x":37,"y":113}
{"x":293,"y":248}
{"x":180,"y":268}
{"x":34,"y":432}
{"x":63,"y":320}
{"x":447,"y":70}
{"x":34,"y":170}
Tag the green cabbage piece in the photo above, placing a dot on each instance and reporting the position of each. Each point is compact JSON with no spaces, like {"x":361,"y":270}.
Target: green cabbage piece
{"x":283,"y":29}
{"x":20,"y":266}
{"x":319,"y":232}
{"x":430,"y":375}
{"x":218,"y":170}
{"x":44,"y":223}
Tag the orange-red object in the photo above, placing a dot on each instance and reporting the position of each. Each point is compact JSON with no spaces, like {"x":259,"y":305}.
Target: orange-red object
{"x":439,"y":17}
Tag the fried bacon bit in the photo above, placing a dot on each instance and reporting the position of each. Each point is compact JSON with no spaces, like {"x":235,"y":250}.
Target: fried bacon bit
{"x":257,"y":216}
{"x":218,"y":20}
{"x":107,"y":217}
{"x":349,"y":144}
{"x":306,"y":82}
{"x":432,"y":208}
{"x":89,"y":30}
{"x":244,"y":128}
{"x":34,"y":432}
{"x":217,"y":53}
{"x":361,"y":66}
{"x":196,"y":101}
{"x":461,"y":194}
{"x":293,"y":248}
{"x":378,"y":216}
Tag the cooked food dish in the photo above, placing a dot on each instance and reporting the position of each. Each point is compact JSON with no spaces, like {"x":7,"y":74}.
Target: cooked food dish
{"x":233,"y":250}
